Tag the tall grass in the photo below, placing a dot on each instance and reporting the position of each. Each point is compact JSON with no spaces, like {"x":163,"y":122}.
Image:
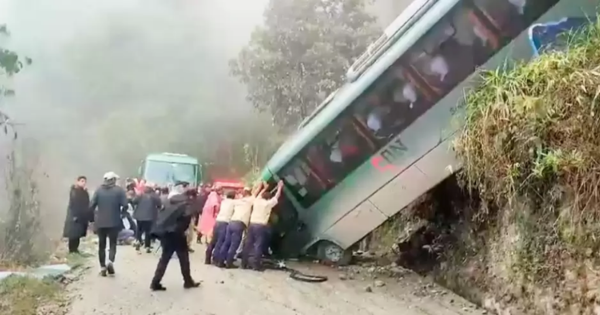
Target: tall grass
{"x":532,"y":136}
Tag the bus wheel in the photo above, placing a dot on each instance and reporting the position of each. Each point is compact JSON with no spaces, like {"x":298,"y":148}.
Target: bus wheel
{"x":331,"y":253}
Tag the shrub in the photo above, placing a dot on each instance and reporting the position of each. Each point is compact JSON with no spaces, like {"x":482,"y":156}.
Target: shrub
{"x":532,"y":137}
{"x":535,"y":127}
{"x":20,"y":226}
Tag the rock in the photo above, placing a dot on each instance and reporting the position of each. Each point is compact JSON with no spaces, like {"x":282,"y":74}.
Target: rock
{"x":368,"y":289}
{"x":379,"y":283}
{"x":343,"y":277}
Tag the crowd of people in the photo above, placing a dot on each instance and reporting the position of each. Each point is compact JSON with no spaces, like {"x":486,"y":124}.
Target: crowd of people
{"x":233,"y":224}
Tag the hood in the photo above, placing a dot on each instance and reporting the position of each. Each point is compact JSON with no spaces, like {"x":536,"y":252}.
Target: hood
{"x":109,"y":183}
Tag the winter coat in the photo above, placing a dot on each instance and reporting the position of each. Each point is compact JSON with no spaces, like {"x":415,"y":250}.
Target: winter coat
{"x":78,"y":213}
{"x":109,"y":201}
{"x":146,"y":206}
{"x":173,"y":218}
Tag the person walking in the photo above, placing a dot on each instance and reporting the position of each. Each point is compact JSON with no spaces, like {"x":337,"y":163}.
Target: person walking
{"x":146,"y":206}
{"x":219,"y":232}
{"x":78,"y":214}
{"x":170,"y":228}
{"x":259,"y":220}
{"x":108,"y":202}
{"x":240,"y":219}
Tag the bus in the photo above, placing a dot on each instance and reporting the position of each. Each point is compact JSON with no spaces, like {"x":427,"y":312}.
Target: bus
{"x":165,"y":169}
{"x":384,"y":137}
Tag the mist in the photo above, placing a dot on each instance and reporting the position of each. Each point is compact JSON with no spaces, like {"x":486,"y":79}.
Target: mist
{"x":104,"y":70}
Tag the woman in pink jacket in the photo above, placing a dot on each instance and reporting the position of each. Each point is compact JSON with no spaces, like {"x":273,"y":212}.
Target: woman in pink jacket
{"x":209,"y":215}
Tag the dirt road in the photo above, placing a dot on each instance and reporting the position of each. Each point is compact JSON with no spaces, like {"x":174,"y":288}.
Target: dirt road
{"x":242,"y":292}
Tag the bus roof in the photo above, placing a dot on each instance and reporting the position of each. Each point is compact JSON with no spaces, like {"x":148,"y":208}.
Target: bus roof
{"x":172,"y":157}
{"x":351,"y":90}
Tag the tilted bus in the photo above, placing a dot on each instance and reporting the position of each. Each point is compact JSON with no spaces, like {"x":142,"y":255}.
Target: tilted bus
{"x":383,"y":139}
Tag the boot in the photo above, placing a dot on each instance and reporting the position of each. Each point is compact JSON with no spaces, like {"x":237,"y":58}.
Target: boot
{"x":157,"y":287}
{"x":191,"y":284}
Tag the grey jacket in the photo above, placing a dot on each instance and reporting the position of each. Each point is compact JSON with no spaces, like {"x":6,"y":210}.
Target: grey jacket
{"x":146,"y":206}
{"x":108,"y":203}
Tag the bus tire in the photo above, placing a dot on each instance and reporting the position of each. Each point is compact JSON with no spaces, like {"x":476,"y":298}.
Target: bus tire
{"x":331,"y":253}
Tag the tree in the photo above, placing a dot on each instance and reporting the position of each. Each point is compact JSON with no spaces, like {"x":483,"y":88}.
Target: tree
{"x":10,"y":64}
{"x":301,"y":53}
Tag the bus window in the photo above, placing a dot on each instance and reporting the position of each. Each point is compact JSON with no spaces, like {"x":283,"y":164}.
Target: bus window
{"x":511,"y":17}
{"x":345,"y":146}
{"x":452,"y":50}
{"x":390,"y":106}
{"x":302,"y":181}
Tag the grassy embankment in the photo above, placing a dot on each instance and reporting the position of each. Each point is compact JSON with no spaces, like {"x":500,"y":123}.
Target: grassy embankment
{"x":526,"y":240}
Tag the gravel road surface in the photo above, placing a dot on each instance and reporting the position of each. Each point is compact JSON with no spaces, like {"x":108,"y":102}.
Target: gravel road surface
{"x":242,"y":292}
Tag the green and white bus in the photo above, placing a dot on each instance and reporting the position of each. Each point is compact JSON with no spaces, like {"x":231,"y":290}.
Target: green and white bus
{"x":164,"y":169}
{"x":383,"y":139}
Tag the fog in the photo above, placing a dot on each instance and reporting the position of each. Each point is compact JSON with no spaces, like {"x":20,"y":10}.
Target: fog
{"x":102,"y":68}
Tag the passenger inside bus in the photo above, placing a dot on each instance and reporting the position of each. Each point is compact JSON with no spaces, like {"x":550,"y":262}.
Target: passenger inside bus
{"x":452,"y":50}
{"x":348,"y":148}
{"x":509,"y":17}
{"x":389,"y":107}
{"x":319,"y":164}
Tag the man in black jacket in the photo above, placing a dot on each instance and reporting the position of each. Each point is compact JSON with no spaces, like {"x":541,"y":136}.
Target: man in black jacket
{"x":78,"y":214}
{"x":171,"y":225}
{"x":145,"y":211}
{"x":109,"y":202}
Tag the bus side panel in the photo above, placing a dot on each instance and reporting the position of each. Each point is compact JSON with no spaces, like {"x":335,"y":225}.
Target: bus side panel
{"x":400,"y":192}
{"x":438,"y":164}
{"x":357,"y":187}
{"x":355,"y":225}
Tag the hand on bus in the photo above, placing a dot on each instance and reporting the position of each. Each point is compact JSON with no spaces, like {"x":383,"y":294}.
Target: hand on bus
{"x":280,"y":184}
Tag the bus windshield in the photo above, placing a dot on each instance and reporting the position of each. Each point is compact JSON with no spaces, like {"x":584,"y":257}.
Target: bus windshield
{"x":168,"y":173}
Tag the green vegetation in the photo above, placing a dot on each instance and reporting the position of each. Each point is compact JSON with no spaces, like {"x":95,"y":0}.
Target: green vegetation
{"x":301,"y":55}
{"x":21,"y":241}
{"x":531,"y":150}
{"x":25,"y":295}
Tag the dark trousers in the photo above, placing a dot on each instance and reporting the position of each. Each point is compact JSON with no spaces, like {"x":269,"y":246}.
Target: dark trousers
{"x":254,"y":246}
{"x":173,"y":243}
{"x":144,"y":228}
{"x":233,"y":238}
{"x":216,"y":242}
{"x":267,"y":240}
{"x":112,"y":234}
{"x":74,"y":245}
{"x":132,"y":224}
